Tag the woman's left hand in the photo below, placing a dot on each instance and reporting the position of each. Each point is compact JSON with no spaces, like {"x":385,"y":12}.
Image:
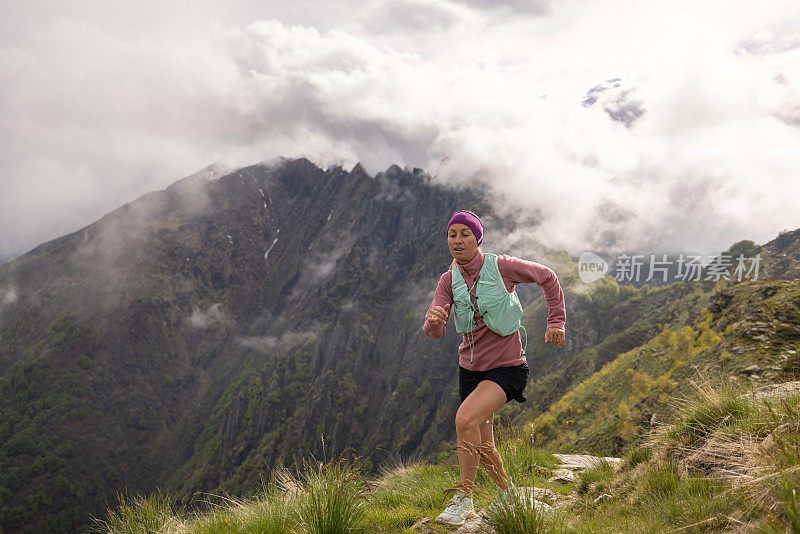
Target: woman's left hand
{"x":554,"y":335}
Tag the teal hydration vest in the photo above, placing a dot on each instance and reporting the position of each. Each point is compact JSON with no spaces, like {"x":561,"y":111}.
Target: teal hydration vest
{"x":500,"y":310}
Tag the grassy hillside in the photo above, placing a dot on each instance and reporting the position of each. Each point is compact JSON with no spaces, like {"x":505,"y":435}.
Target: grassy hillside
{"x":623,"y":318}
{"x":728,"y":460}
{"x":749,"y":332}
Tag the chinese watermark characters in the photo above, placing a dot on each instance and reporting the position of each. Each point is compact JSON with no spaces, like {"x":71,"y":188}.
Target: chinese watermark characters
{"x":686,"y":267}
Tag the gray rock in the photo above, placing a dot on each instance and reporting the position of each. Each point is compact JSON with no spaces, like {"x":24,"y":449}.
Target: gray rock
{"x":732,"y":472}
{"x":475,"y":525}
{"x":776,"y":390}
{"x":564,"y":473}
{"x":544,"y":495}
{"x":423,"y":525}
{"x":537,"y":497}
{"x":542,"y":507}
{"x":579,"y":462}
{"x":751,"y":369}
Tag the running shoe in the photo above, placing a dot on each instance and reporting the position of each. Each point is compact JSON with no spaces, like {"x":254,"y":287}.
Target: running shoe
{"x":459,"y":509}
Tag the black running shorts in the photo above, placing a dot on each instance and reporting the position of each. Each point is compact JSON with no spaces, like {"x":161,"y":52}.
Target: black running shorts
{"x":511,"y":379}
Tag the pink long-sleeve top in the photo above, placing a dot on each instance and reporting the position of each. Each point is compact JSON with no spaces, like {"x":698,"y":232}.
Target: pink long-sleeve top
{"x":490,"y":349}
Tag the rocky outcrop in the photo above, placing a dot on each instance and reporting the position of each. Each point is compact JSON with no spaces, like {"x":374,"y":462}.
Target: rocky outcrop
{"x":581,"y":462}
{"x":776,"y":391}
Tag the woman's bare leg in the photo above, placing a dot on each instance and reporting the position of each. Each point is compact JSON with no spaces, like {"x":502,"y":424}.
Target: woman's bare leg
{"x":476,"y":408}
{"x":490,"y":458}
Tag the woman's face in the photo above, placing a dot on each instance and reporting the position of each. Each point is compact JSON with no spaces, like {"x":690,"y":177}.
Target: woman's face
{"x":462,"y":242}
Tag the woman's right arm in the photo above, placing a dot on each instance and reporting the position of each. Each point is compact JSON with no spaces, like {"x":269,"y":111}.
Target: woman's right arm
{"x":439,"y":310}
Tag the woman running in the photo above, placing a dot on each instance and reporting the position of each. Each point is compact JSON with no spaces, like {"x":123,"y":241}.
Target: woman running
{"x":492,"y":366}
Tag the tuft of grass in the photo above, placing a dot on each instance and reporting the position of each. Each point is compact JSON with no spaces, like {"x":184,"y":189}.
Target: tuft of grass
{"x":334,"y":497}
{"x":140,"y":515}
{"x":403,"y":494}
{"x":637,"y":455}
{"x":657,"y":481}
{"x":710,"y":411}
{"x":420,"y":485}
{"x":516,"y":512}
{"x":268,"y":514}
{"x":789,"y":488}
{"x":780,"y":452}
{"x":522,"y":459}
{"x":598,"y":476}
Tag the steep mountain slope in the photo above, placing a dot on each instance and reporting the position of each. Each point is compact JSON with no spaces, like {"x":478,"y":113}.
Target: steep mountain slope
{"x":692,"y":333}
{"x":219,"y":325}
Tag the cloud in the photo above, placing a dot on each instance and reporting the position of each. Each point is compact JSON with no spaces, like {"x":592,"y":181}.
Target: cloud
{"x":529,"y":7}
{"x":98,"y":110}
{"x":619,"y":103}
{"x":270,"y":343}
{"x":320,"y":264}
{"x":767,"y":42}
{"x":109,"y":119}
{"x":790,"y":114}
{"x":208,"y":317}
{"x":413,"y":16}
{"x":8,"y":295}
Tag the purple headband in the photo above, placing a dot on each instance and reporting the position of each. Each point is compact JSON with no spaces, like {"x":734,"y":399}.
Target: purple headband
{"x":470,"y":220}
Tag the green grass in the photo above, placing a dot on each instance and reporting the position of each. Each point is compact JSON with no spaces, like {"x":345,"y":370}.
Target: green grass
{"x":717,"y":411}
{"x":636,"y":455}
{"x":669,"y":482}
{"x":140,"y":515}
{"x":597,"y":476}
{"x":516,"y":513}
{"x":333,"y":497}
{"x":789,"y":489}
{"x":404,"y":494}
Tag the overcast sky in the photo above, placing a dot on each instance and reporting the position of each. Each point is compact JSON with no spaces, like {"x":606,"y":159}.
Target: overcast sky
{"x":671,"y":126}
